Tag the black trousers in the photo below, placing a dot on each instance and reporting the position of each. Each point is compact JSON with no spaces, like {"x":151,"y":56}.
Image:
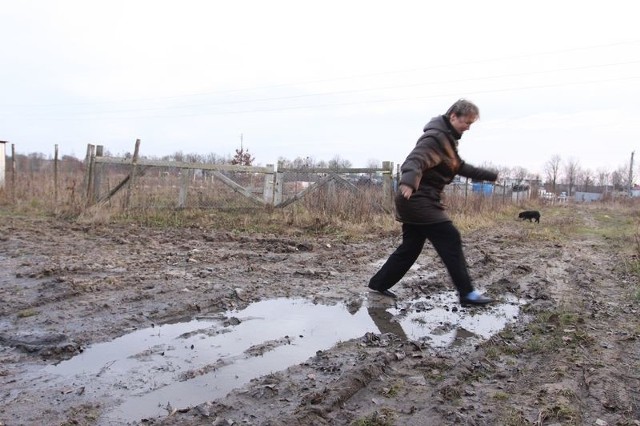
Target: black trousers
{"x":447,"y":242}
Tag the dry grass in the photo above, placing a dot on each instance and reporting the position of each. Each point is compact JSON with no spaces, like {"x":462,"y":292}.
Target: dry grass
{"x":333,"y":209}
{"x":159,"y":199}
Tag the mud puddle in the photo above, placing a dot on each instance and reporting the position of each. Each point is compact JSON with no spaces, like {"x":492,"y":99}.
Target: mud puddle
{"x":153,"y":371}
{"x":432,"y":319}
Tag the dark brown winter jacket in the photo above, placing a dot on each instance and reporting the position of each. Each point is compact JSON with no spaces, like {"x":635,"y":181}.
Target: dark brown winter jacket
{"x":432,"y":164}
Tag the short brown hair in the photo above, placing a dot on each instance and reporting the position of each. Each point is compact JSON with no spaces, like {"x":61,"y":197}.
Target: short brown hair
{"x":463,"y":108}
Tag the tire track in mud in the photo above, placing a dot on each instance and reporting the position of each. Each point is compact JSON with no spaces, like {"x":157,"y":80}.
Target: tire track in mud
{"x":377,"y":376}
{"x":416,"y":387}
{"x":581,"y":285}
{"x":334,"y":395}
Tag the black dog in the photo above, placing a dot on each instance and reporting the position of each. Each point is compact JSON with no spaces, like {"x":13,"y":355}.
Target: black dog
{"x":530,"y":214}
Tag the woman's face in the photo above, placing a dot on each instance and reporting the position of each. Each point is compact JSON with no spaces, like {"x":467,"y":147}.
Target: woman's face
{"x":462,"y":123}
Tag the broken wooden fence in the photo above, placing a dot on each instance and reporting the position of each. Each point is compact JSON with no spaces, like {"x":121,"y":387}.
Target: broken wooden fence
{"x":277,"y":190}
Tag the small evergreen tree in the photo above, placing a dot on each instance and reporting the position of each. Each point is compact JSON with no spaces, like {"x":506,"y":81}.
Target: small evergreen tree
{"x":242,"y":157}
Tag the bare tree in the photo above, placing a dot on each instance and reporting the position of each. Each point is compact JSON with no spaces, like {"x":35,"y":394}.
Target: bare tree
{"x":283,"y":162}
{"x":300,"y":163}
{"x":373,"y":163}
{"x":36,"y":160}
{"x":571,"y":170}
{"x":602,"y":178}
{"x":194,"y":158}
{"x":339,"y":163}
{"x":70,"y":163}
{"x":616,"y":180}
{"x":552,"y":171}
{"x":620,"y":177}
{"x":520,"y":174}
{"x":212,"y":158}
{"x":177,"y":156}
{"x":504,"y":173}
{"x":587,"y":179}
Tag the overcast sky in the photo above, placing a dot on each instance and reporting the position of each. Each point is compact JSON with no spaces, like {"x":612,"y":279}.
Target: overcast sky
{"x":356,"y":79}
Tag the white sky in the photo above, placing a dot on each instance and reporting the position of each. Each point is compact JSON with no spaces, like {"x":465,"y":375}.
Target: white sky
{"x":356,"y":79}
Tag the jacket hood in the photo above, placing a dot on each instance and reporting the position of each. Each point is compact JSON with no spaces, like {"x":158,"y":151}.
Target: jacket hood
{"x":441,"y":124}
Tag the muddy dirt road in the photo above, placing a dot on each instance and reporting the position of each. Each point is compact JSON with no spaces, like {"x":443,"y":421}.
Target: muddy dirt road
{"x":122,"y":324}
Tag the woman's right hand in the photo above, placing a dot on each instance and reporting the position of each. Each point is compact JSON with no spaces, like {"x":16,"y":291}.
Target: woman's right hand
{"x":406,"y":190}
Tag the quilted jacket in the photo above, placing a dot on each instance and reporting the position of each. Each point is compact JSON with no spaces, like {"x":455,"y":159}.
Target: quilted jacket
{"x":432,"y":164}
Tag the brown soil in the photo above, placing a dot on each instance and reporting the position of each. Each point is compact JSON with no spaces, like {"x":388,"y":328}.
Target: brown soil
{"x":572,"y":357}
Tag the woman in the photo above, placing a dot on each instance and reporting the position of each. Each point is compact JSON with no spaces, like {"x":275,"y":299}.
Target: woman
{"x":432,"y":164}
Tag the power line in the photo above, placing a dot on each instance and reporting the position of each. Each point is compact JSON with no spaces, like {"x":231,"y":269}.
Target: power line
{"x":359,"y":77}
{"x":353,"y":91}
{"x":371,"y":89}
{"x":350,"y":103}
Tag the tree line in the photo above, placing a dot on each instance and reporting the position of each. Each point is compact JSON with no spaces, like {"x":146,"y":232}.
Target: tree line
{"x":556,"y":171}
{"x":569,"y":175}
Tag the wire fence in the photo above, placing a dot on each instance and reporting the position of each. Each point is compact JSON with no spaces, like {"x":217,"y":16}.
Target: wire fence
{"x":139,"y":184}
{"x":145,"y":184}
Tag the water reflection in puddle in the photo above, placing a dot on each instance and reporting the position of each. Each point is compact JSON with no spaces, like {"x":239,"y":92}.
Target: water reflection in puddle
{"x":189,"y":363}
{"x":432,"y":319}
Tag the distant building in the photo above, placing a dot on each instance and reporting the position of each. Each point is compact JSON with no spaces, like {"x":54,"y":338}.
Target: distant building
{"x":582,"y":197}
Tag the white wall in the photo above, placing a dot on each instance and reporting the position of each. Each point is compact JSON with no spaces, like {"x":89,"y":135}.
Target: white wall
{"x":2,"y":161}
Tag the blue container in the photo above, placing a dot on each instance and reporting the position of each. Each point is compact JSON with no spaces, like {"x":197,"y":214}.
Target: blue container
{"x":483,"y":188}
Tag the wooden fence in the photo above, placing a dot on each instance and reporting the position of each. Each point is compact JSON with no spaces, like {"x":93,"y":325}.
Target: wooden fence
{"x":70,"y":184}
{"x":279,"y":187}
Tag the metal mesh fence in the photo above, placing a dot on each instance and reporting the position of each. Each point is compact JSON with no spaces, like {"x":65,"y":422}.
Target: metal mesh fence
{"x":43,"y":183}
{"x":340,"y":192}
{"x":157,"y":185}
{"x":171,"y":188}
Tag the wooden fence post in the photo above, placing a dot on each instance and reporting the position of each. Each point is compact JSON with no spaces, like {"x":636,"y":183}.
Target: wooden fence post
{"x":97,"y":175}
{"x":269,"y":178}
{"x":387,"y":182}
{"x":504,"y":192}
{"x":13,"y":172}
{"x":277,"y":194}
{"x":3,"y":157}
{"x":85,"y":182}
{"x":466,"y":189}
{"x":91,"y":154}
{"x":184,"y":187}
{"x":55,"y":175}
{"x":331,"y":189}
{"x":132,"y":174}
